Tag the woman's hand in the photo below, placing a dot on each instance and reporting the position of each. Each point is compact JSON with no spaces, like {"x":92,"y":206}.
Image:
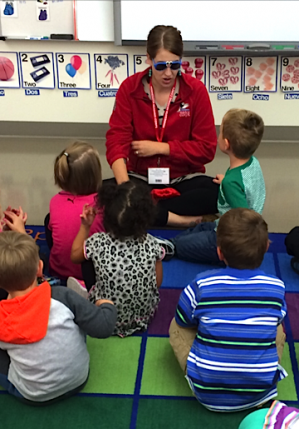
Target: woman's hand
{"x":145,"y":148}
{"x":218,"y":179}
{"x":88,"y":215}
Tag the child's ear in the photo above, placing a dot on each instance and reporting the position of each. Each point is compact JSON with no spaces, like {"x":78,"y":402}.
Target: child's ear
{"x":268,"y":244}
{"x":226,"y":144}
{"x":220,"y":254}
{"x":40,"y":269}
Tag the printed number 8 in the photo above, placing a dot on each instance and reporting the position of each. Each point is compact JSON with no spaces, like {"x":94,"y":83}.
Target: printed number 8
{"x":249,"y":61}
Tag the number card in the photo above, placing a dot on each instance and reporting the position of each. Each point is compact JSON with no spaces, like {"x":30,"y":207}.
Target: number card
{"x":196,"y":67}
{"x":139,"y":63}
{"x":73,"y":71}
{"x":260,"y":74}
{"x":111,"y":70}
{"x":37,"y":70}
{"x":9,"y":70}
{"x":225,"y":74}
{"x":289,"y":77}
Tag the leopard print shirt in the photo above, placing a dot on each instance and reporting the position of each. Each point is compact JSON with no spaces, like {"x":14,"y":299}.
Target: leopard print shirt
{"x":126,"y":274}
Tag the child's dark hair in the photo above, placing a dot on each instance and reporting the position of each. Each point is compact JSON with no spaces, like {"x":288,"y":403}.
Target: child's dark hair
{"x":244,"y":131}
{"x":129,"y":209}
{"x":242,"y":236}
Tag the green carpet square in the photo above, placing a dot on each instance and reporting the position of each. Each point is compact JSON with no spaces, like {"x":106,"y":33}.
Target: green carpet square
{"x":178,"y":414}
{"x":162,"y":374}
{"x":113,"y":365}
{"x":286,"y":387}
{"x":79,"y":412}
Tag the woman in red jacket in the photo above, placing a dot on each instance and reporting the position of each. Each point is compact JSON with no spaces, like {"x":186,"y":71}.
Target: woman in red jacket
{"x":162,"y":131}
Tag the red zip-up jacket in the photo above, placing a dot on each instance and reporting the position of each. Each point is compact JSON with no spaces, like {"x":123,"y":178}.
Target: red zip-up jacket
{"x":190,"y":129}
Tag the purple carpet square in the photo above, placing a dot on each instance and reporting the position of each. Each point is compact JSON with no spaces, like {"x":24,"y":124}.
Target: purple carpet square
{"x":166,"y":310}
{"x":292,"y":300}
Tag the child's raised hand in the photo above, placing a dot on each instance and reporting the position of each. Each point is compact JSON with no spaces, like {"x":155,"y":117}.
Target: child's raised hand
{"x":218,"y":179}
{"x":15,"y":220}
{"x":88,"y":215}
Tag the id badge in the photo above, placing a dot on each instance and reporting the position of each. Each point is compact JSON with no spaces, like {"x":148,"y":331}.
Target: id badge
{"x":158,"y":176}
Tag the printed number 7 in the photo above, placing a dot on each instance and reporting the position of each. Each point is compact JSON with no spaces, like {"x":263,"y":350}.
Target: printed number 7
{"x":213,"y":61}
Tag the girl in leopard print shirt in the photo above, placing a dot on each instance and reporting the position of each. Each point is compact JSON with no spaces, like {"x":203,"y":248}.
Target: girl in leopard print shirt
{"x":126,"y":260}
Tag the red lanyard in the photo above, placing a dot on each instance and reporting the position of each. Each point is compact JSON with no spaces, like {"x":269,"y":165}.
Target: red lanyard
{"x":165,"y":117}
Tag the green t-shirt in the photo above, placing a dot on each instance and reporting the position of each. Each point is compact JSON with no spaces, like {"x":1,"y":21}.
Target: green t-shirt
{"x":243,"y":186}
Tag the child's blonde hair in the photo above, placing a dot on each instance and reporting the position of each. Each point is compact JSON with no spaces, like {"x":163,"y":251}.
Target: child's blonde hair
{"x":244,"y":131}
{"x":19,"y":261}
{"x":77,"y":169}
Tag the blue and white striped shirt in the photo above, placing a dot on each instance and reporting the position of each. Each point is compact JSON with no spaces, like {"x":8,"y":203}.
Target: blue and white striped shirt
{"x":233,"y":362}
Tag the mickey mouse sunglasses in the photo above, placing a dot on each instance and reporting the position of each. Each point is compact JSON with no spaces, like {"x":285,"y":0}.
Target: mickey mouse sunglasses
{"x":162,"y":65}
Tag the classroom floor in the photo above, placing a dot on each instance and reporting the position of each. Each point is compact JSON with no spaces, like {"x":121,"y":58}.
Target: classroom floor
{"x":136,"y":383}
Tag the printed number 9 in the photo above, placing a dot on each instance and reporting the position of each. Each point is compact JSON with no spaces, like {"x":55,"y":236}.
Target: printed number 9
{"x":249,"y":61}
{"x":285,"y":62}
{"x":60,"y":58}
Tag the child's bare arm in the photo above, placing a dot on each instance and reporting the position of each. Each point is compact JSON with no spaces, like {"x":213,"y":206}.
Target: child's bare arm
{"x":87,"y":218}
{"x":159,"y":273}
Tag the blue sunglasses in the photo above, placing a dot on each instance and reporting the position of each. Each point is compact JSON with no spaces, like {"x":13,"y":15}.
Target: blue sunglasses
{"x":162,"y":65}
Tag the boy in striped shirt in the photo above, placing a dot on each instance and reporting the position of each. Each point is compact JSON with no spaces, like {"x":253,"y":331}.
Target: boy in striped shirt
{"x":227,"y":333}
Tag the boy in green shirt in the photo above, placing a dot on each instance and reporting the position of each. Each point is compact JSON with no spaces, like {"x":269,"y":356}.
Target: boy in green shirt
{"x":242,"y":185}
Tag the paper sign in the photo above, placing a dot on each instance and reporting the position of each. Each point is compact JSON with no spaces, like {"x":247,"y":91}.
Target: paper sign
{"x":9,"y":70}
{"x":111,"y":70}
{"x":73,"y":71}
{"x":37,"y":70}
{"x":260,"y":74}
{"x":9,"y":9}
{"x":289,"y":77}
{"x":225,"y":74}
{"x":43,"y":10}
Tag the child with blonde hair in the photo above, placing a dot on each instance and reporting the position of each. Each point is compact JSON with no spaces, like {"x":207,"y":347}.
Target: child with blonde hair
{"x":77,"y":171}
{"x":43,"y":353}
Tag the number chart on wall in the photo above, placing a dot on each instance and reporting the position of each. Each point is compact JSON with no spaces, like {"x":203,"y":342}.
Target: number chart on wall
{"x":260,"y":74}
{"x":9,"y":70}
{"x":192,"y":66}
{"x":73,"y":70}
{"x":110,"y":71}
{"x":289,"y":74}
{"x":225,"y":74}
{"x":37,"y":70}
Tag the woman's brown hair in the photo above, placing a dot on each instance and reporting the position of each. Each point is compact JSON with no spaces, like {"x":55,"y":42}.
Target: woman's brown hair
{"x":164,"y":37}
{"x":77,"y":169}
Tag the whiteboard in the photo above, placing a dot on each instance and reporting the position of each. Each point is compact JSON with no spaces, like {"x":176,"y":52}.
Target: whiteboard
{"x":218,"y":21}
{"x":26,"y":23}
{"x":95,"y":20}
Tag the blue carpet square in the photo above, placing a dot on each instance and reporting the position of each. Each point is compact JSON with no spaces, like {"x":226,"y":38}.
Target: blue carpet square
{"x":178,"y":273}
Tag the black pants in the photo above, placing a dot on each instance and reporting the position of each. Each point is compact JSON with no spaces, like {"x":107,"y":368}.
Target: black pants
{"x":198,"y":197}
{"x":292,"y":242}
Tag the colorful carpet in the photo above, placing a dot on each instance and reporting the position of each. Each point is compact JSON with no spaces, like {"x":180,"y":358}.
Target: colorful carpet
{"x":136,"y":383}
